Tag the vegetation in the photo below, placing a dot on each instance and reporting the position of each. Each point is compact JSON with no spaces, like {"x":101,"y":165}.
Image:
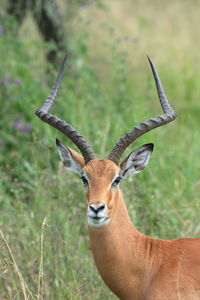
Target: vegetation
{"x":107,"y":89}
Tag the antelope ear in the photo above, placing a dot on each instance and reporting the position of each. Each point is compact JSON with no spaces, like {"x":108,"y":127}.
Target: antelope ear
{"x":137,"y":160}
{"x":71,"y":159}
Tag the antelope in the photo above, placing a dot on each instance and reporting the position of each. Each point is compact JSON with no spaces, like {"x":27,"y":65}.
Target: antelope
{"x":133,"y":266}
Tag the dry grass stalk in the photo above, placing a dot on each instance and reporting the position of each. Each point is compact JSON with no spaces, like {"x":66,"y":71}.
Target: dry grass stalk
{"x":23,"y":284}
{"x":40,"y":292}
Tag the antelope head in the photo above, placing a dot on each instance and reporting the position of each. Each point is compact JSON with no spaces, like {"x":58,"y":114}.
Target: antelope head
{"x":101,"y":178}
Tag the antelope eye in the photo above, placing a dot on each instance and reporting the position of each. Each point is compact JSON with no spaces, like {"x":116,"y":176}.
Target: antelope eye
{"x":85,"y":182}
{"x":116,"y":181}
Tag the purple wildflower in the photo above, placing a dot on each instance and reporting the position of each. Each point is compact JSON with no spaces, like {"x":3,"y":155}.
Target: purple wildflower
{"x":135,"y":39}
{"x":21,"y":127}
{"x":1,"y":142}
{"x":17,"y":81}
{"x":25,"y":128}
{"x":123,"y":38}
{"x":17,"y":124}
{"x":6,"y":80}
{"x":84,"y":5}
{"x":1,"y":30}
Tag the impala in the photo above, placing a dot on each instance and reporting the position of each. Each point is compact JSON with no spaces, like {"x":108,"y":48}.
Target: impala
{"x":134,"y":266}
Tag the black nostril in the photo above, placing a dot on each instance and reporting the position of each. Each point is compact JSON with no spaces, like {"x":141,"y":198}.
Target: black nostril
{"x":96,"y":210}
{"x":101,"y":207}
{"x":92,"y":208}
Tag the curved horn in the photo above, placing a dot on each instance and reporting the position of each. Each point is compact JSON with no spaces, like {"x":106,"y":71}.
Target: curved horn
{"x":168,"y":116}
{"x":61,"y":125}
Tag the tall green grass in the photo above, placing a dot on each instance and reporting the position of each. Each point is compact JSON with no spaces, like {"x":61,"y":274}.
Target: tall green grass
{"x":107,"y":88}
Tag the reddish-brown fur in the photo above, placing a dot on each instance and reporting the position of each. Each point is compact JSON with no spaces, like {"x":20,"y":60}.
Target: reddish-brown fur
{"x":135,"y":266}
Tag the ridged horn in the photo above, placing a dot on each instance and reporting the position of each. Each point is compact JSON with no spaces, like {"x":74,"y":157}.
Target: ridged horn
{"x":64,"y":127}
{"x":168,"y":116}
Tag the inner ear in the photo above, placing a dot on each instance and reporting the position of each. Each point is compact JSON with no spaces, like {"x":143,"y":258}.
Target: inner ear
{"x":71,"y":159}
{"x":137,"y":160}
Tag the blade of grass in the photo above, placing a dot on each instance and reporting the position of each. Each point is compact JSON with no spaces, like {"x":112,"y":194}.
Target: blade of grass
{"x":40,"y":292}
{"x":21,"y":279}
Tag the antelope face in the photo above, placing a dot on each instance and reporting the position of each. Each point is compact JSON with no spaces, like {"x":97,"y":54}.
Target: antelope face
{"x":101,"y":179}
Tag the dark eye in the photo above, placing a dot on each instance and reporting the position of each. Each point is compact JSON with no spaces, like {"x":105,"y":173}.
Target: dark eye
{"x":85,"y":182}
{"x":116,"y":181}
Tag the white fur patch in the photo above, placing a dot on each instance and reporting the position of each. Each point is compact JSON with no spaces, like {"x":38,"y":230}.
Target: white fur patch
{"x":68,"y":160}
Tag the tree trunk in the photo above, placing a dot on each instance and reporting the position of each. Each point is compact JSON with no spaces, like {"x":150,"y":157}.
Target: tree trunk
{"x":48,"y":19}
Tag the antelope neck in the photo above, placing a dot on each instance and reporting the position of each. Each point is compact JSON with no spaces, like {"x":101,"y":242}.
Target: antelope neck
{"x":121,"y":252}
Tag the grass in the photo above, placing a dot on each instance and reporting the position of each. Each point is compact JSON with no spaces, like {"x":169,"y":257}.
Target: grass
{"x":107,"y":88}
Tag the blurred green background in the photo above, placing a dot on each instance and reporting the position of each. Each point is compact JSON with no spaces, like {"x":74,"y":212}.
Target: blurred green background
{"x":107,"y":89}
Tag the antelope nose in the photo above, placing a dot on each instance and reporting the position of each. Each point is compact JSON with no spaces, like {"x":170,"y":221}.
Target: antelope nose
{"x":97,"y":208}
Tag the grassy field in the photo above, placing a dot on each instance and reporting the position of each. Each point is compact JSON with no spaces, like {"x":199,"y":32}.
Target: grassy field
{"x":107,"y":89}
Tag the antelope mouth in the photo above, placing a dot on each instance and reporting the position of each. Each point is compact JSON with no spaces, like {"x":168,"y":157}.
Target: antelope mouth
{"x":98,"y":221}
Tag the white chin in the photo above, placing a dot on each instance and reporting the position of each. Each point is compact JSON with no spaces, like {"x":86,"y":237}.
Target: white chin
{"x":98,"y":222}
